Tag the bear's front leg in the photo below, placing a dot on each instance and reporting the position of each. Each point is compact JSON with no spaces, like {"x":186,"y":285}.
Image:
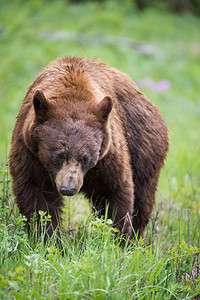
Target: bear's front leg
{"x":34,"y":190}
{"x":40,"y":199}
{"x":120,"y":208}
{"x":119,"y":187}
{"x":120,"y":201}
{"x":112,"y":184}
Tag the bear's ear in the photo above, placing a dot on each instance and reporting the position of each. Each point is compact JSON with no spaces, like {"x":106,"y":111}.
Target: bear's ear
{"x":40,"y":105}
{"x":104,"y":108}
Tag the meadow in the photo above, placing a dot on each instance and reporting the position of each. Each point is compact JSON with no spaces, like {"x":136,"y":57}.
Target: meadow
{"x":161,"y":53}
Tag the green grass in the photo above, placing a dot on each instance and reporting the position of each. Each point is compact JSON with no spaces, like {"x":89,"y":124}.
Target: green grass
{"x":165,"y":264}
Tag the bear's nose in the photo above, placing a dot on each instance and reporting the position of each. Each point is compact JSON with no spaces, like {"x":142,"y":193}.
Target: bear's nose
{"x":67,"y":190}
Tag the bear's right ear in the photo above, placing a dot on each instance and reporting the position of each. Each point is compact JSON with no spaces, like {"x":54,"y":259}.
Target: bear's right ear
{"x":40,"y":105}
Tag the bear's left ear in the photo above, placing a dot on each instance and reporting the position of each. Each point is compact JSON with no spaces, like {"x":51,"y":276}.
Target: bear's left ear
{"x":40,"y":105}
{"x":104,"y":108}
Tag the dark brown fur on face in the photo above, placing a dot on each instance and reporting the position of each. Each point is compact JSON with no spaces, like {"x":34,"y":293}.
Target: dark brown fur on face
{"x":84,"y":126}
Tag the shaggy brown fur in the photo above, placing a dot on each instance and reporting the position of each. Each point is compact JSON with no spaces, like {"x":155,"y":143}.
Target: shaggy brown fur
{"x":84,"y":126}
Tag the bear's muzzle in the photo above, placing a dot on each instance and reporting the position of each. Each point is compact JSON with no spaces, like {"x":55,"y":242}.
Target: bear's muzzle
{"x":69,"y":179}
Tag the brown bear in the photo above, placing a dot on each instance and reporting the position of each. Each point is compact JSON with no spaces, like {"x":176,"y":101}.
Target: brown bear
{"x":86,"y":127}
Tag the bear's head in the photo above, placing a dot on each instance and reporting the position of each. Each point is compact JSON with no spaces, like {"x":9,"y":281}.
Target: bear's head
{"x":69,"y":138}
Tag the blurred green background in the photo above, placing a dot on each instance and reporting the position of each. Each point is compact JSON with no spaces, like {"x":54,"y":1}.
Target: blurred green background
{"x":157,"y":45}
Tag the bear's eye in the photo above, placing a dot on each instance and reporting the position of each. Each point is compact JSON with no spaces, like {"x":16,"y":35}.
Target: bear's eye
{"x":59,"y":155}
{"x":85,"y":160}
